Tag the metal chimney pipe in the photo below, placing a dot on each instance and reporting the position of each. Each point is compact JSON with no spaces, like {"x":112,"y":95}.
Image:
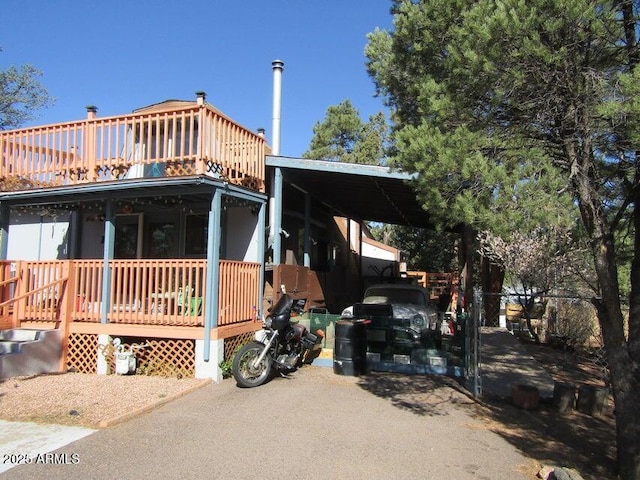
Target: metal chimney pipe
{"x":200,"y":97}
{"x":278,"y":66}
{"x":275,"y":194}
{"x":91,"y":111}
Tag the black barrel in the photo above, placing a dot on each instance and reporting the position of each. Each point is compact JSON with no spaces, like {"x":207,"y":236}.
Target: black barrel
{"x":350,"y":350}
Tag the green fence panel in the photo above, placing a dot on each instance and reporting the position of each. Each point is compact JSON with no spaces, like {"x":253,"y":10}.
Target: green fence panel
{"x":321,"y":319}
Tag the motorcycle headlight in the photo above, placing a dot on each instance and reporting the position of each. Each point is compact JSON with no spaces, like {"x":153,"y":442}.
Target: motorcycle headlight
{"x":268,"y":322}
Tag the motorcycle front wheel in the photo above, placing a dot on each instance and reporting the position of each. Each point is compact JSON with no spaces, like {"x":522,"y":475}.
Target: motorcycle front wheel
{"x":246,"y":374}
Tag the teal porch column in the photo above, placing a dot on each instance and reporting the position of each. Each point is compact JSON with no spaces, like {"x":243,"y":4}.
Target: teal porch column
{"x":213,"y":271}
{"x":109,"y":249}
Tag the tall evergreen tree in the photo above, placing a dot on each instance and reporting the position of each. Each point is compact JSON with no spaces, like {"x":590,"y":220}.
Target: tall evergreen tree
{"x":513,"y":113}
{"x":343,"y":137}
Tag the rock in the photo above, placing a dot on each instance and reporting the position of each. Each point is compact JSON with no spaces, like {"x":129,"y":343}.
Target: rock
{"x":546,"y":472}
{"x":564,"y":473}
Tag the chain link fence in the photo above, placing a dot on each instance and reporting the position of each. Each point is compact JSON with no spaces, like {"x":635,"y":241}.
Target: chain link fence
{"x":569,"y":323}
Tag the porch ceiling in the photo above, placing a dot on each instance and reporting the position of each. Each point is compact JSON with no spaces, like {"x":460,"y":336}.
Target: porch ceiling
{"x":191,"y":189}
{"x":364,"y":192}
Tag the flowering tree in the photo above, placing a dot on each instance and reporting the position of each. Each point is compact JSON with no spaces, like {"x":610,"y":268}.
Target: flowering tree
{"x":535,"y":264}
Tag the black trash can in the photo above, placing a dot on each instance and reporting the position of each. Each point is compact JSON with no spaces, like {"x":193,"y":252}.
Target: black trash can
{"x":350,"y":349}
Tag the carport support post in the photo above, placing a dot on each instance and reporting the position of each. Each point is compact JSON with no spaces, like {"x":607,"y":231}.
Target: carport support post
{"x":277,"y":217}
{"x":261,"y":222}
{"x":205,"y":368}
{"x":360,"y":273}
{"x":348,"y":260}
{"x":307,"y":230}
{"x":109,"y":248}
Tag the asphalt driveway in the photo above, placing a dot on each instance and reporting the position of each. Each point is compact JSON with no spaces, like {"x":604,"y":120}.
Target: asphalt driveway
{"x":311,"y":425}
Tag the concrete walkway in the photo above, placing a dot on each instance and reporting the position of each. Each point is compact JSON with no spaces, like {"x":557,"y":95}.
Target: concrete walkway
{"x":23,"y":442}
{"x":505,"y":361}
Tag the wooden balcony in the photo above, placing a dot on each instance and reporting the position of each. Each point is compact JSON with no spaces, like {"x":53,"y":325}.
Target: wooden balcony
{"x":170,"y":139}
{"x":151,"y":297}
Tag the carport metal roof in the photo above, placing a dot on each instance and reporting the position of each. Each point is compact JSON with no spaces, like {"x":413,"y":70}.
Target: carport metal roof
{"x":363,"y":192}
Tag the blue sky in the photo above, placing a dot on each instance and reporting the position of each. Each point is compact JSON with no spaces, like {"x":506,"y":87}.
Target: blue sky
{"x":124,"y":54}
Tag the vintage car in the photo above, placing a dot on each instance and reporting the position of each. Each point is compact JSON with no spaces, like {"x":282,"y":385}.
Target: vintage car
{"x":401,"y":304}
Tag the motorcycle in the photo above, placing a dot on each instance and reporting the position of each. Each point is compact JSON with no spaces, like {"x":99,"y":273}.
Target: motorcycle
{"x":281,"y":346}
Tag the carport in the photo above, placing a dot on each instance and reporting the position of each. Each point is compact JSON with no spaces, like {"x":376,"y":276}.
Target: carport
{"x":352,"y":187}
{"x":354,"y":191}
{"x":358,"y":192}
{"x":346,"y":188}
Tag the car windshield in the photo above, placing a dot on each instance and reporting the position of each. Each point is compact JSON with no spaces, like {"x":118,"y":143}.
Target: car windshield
{"x":394,"y":295}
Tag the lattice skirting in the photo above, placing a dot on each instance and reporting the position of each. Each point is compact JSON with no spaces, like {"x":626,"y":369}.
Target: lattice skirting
{"x":83,"y":353}
{"x":232,"y":343}
{"x":160,"y":356}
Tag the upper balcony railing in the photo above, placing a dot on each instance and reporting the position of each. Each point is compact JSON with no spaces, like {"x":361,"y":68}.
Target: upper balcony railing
{"x":181,"y":138}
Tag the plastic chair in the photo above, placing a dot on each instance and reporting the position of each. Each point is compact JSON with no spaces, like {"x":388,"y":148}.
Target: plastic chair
{"x":184,"y":293}
{"x":196,"y":306}
{"x":187,"y":303}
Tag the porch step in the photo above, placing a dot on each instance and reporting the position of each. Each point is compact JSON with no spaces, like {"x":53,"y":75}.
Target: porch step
{"x":20,"y":334}
{"x":9,"y":346}
{"x":29,"y":352}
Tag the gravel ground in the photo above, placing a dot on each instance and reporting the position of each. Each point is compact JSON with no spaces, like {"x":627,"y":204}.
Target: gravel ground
{"x":86,"y":400}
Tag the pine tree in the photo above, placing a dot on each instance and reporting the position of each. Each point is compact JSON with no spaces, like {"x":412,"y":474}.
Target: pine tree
{"x":520,"y":114}
{"x":343,"y":137}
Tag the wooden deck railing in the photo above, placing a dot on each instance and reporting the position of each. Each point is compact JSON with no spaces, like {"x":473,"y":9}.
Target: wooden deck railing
{"x":237,"y":302}
{"x":142,"y":292}
{"x":8,"y":280}
{"x":185,"y":141}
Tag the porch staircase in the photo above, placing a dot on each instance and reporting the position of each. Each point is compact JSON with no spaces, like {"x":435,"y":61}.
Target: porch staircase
{"x":29,"y":352}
